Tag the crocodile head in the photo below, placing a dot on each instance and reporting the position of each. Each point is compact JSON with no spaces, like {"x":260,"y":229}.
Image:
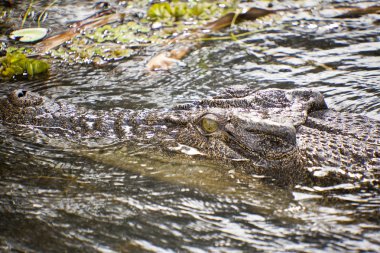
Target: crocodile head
{"x":255,"y":131}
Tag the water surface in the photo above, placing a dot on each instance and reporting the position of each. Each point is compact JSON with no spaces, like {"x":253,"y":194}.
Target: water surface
{"x":119,"y":199}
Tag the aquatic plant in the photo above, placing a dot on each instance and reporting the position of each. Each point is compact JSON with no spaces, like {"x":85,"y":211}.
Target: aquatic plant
{"x":186,"y":10}
{"x":14,"y":64}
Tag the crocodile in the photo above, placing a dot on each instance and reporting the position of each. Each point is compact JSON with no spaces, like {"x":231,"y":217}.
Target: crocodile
{"x":289,"y":137}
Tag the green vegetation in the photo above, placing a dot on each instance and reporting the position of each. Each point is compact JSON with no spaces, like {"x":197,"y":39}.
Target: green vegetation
{"x":124,"y":33}
{"x":124,"y":38}
{"x":81,"y":52}
{"x":183,"y":10}
{"x":14,"y":64}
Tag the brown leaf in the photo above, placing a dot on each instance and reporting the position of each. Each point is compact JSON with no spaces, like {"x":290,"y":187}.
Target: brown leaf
{"x":94,"y":21}
{"x":254,"y":13}
{"x":226,"y":20}
{"x":162,"y":61}
{"x":179,"y":53}
{"x":355,"y":12}
{"x":55,"y":41}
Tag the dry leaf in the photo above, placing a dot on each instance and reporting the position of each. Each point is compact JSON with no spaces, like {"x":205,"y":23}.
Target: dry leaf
{"x":226,"y":20}
{"x":162,"y":61}
{"x":355,"y":12}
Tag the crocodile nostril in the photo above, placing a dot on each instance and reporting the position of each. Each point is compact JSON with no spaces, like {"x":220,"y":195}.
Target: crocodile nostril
{"x":21,"y":93}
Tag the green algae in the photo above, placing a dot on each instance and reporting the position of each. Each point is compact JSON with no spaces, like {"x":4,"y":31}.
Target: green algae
{"x":131,"y":32}
{"x":83,"y":50}
{"x":203,"y":10}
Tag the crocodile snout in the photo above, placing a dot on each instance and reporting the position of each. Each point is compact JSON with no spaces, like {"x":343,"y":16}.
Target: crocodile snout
{"x":23,"y":98}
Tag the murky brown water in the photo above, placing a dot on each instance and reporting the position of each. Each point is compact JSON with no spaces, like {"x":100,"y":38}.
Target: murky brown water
{"x":121,"y":200}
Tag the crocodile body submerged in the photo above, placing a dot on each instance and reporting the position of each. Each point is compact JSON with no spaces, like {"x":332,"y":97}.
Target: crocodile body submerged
{"x":289,"y":136}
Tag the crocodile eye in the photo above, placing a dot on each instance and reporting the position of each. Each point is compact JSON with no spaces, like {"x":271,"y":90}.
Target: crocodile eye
{"x":209,"y":125}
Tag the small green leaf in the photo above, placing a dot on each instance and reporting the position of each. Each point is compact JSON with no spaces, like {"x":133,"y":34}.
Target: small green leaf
{"x":29,"y":68}
{"x":14,"y":64}
{"x":29,"y":34}
{"x":160,"y":11}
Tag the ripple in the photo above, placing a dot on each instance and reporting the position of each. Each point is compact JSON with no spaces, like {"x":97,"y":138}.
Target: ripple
{"x":119,"y":200}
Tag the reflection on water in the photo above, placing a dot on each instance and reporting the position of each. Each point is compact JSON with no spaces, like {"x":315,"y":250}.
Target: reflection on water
{"x":127,"y":200}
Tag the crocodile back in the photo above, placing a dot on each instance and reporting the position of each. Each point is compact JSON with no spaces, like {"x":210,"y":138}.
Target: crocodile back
{"x":343,"y":141}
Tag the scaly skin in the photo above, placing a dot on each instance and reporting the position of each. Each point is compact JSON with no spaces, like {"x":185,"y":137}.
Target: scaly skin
{"x":286,"y":135}
{"x":342,"y":142}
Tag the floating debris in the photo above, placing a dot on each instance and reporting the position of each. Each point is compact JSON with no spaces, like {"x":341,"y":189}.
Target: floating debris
{"x":29,"y":34}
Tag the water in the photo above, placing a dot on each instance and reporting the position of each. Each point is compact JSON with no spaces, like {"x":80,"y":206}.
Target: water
{"x":119,"y":199}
